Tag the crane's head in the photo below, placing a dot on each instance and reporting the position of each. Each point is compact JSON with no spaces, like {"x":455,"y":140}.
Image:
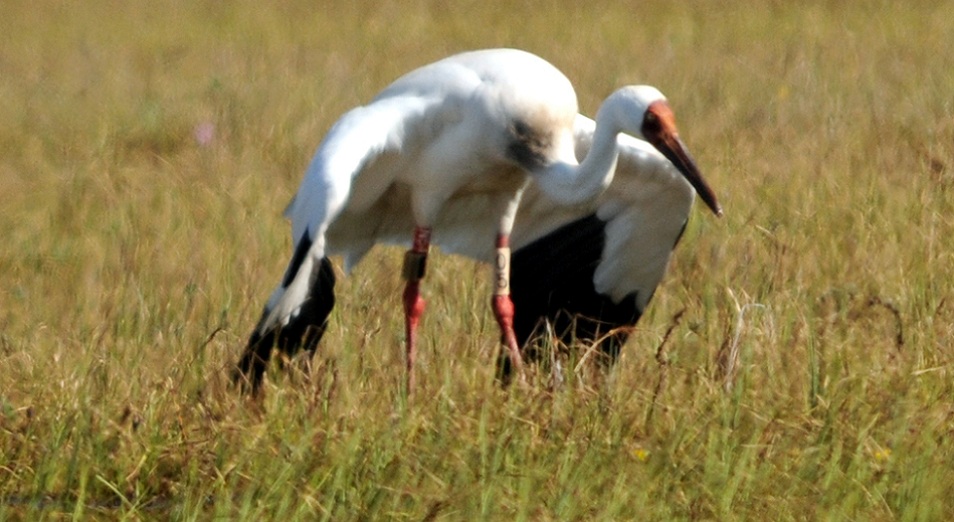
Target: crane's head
{"x":650,"y":117}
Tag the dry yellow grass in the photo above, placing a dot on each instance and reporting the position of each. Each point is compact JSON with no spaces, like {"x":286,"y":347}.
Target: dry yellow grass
{"x":134,"y":261}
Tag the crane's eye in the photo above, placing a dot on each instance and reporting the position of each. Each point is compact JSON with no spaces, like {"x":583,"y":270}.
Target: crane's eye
{"x":651,"y":121}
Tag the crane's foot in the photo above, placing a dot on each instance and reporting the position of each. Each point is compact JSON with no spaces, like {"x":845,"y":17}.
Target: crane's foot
{"x":503,"y":311}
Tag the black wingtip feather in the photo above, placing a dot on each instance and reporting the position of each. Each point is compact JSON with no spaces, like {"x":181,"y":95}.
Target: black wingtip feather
{"x":552,"y":281}
{"x":303,"y":331}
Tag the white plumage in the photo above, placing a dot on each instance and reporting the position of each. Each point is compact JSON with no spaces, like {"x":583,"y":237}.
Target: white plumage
{"x":450,"y":147}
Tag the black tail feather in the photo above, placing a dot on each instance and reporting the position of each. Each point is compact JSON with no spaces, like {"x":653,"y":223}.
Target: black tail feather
{"x":303,"y":331}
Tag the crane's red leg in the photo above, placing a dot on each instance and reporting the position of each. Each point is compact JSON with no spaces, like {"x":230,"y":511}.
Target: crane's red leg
{"x":503,"y":305}
{"x":415,"y":262}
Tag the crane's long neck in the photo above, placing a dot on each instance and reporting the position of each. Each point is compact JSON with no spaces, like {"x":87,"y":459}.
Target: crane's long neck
{"x":571,"y":183}
{"x":599,"y":165}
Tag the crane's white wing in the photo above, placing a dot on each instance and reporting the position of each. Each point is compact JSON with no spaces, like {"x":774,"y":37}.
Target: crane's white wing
{"x":350,"y":169}
{"x":356,"y":189}
{"x":340,"y":173}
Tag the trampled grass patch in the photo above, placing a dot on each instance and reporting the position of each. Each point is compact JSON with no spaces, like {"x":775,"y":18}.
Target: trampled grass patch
{"x":795,"y":364}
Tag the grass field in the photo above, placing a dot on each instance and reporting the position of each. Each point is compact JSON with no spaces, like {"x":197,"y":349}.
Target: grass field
{"x":148,"y":148}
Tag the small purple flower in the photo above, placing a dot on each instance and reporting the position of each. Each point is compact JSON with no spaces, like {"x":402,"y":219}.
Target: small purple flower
{"x":204,"y":133}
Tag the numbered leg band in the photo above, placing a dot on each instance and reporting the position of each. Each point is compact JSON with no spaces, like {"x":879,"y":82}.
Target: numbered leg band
{"x":502,"y":271}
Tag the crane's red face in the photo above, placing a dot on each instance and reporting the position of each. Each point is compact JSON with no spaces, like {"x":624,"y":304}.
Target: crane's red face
{"x":659,"y":129}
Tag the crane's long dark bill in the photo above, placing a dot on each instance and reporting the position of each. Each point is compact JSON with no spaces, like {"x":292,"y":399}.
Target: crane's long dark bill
{"x":673,"y":148}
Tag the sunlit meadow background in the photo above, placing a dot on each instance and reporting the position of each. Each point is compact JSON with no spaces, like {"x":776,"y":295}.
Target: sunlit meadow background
{"x":797,"y":363}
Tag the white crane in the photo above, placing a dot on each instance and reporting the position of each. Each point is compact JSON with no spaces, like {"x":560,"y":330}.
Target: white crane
{"x":453,"y":142}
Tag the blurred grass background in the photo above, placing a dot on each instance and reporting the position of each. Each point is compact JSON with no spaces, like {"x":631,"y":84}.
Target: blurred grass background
{"x":148,"y":148}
